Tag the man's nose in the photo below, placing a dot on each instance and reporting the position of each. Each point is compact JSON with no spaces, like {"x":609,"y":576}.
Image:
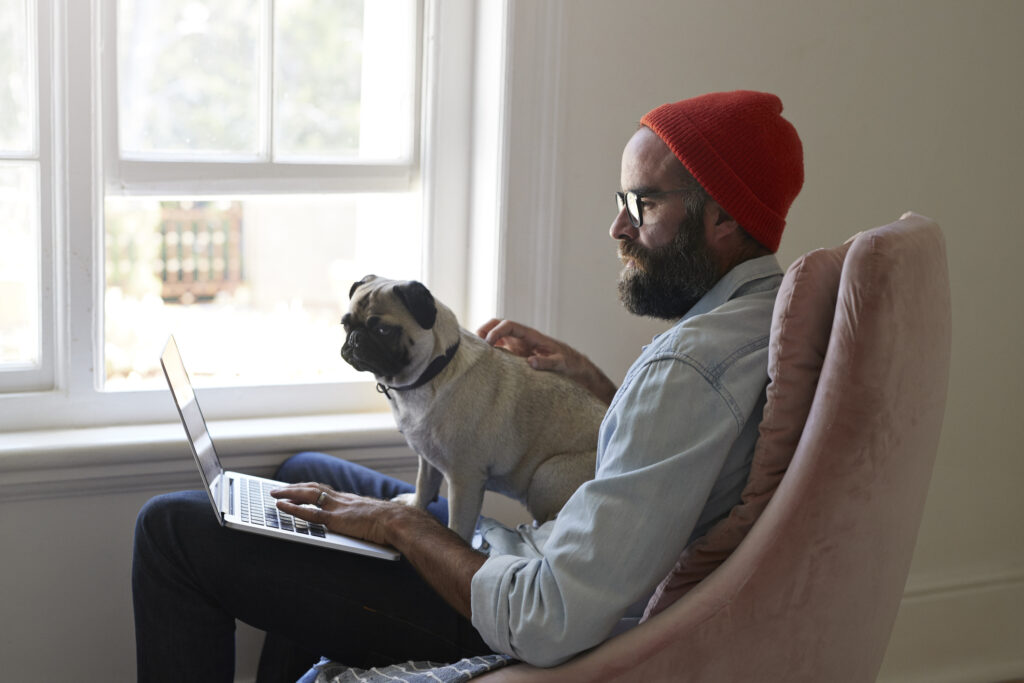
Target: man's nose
{"x":621,"y":228}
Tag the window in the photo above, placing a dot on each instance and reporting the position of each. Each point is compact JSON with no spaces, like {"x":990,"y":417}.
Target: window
{"x":222,"y":170}
{"x":225,"y":117}
{"x":24,"y":187}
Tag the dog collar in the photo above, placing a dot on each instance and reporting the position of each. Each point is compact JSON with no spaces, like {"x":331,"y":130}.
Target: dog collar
{"x":432,"y":371}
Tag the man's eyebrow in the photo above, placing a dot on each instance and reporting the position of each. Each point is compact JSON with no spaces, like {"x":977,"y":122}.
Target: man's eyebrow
{"x":642,"y":189}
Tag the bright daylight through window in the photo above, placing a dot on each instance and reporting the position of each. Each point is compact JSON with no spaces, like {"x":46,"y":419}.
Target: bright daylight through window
{"x":19,"y":190}
{"x":263,"y":159}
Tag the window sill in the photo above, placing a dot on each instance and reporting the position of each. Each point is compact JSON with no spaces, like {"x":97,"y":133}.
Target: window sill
{"x":96,"y":461}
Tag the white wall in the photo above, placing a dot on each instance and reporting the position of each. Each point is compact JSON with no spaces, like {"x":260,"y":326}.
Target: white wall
{"x":901,"y":105}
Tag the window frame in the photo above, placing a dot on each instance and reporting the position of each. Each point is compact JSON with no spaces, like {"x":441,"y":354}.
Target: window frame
{"x":73,"y":280}
{"x":129,"y":175}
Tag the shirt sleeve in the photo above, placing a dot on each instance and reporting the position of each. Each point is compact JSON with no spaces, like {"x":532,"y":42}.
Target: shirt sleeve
{"x":662,"y":446}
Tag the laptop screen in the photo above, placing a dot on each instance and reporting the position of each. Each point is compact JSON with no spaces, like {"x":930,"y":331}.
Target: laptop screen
{"x":191,"y":415}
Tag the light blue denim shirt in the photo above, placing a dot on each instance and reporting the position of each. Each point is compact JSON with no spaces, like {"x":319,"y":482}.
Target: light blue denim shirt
{"x":673,"y":456}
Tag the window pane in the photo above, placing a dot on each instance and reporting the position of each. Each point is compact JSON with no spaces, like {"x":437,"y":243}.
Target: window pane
{"x":188,"y":78}
{"x":318,"y":71}
{"x":254,"y":287}
{"x":19,"y":264}
{"x":17,"y":79}
{"x":343,"y":79}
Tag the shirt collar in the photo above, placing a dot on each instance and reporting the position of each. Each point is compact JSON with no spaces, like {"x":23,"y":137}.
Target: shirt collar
{"x":737,"y":279}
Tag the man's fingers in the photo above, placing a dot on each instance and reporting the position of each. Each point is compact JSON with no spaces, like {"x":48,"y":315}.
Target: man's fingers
{"x":502,"y":329}
{"x":310,"y":514}
{"x":487,"y":327}
{"x":308,"y":511}
{"x":305,"y":501}
{"x":300,"y":490}
{"x":553,"y":363}
{"x":496,"y":330}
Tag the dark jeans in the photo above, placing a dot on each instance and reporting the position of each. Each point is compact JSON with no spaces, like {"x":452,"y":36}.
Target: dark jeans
{"x":191,"y":578}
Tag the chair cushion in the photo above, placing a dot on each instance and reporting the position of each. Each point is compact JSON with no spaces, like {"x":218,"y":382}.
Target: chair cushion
{"x":801,"y":325}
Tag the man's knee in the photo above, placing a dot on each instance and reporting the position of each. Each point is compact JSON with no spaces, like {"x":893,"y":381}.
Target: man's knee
{"x":301,"y":467}
{"x":165,"y":519}
{"x":155,"y":515}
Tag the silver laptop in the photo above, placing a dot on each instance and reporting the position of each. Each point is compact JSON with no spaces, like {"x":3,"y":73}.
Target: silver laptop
{"x":241,"y":501}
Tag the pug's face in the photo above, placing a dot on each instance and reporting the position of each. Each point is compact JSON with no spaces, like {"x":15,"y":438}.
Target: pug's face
{"x":390,"y":329}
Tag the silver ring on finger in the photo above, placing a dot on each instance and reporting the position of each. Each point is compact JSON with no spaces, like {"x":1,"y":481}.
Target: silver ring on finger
{"x":321,"y":499}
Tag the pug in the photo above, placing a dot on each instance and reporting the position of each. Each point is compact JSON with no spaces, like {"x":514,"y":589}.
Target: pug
{"x":476,"y":415}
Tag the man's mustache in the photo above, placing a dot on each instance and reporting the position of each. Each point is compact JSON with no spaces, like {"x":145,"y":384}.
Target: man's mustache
{"x":630,"y":250}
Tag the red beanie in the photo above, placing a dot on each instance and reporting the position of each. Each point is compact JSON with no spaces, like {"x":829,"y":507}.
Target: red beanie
{"x":741,"y":150}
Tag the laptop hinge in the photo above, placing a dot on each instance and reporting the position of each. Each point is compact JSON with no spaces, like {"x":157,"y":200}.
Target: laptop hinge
{"x":218,"y":495}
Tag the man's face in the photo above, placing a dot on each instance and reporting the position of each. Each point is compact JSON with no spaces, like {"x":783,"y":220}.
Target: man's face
{"x":668,"y":265}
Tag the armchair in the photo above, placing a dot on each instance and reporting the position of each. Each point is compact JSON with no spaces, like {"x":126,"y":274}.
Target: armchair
{"x":814,"y":584}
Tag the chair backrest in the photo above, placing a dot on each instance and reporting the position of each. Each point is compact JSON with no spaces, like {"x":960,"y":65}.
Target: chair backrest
{"x":812,"y":592}
{"x":801,"y":327}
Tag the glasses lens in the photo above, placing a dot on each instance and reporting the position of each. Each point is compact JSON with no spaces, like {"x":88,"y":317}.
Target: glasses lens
{"x":633,"y":209}
{"x":620,"y":201}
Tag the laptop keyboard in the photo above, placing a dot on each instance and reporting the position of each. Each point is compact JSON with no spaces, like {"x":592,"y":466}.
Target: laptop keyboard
{"x":258,"y":507}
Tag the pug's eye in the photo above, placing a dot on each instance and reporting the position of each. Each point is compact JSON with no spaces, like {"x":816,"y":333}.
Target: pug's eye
{"x":385,"y":331}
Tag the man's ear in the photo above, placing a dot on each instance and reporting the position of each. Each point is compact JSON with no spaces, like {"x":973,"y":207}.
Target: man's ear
{"x":719,"y":227}
{"x":728,"y":241}
{"x":357,"y":285}
{"x":723,"y":217}
{"x":419,"y":301}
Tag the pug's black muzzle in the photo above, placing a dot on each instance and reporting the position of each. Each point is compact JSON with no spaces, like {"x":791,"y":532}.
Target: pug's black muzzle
{"x":365,"y":352}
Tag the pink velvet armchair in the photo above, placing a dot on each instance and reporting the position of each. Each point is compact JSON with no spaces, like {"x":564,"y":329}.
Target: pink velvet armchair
{"x":859,"y":364}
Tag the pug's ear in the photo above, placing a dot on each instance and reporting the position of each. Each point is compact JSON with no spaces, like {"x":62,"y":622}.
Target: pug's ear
{"x":357,"y":285}
{"x":419,"y":301}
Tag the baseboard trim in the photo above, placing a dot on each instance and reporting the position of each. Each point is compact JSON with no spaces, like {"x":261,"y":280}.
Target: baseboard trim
{"x":926,"y":588}
{"x":964,"y":627}
{"x":976,"y":672}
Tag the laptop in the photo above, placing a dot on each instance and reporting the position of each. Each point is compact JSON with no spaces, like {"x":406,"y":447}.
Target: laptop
{"x":242,"y":501}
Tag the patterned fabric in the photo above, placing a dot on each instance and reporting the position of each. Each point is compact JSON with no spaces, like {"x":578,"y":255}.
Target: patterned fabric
{"x":412,"y":672}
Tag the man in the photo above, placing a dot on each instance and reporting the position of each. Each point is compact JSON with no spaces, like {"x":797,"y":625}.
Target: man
{"x":705,"y":187}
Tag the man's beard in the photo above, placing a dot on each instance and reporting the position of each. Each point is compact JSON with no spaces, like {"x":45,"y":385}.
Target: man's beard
{"x":666,"y":282}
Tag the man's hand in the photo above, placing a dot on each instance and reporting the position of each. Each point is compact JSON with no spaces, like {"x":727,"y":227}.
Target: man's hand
{"x":343,"y":513}
{"x":544,"y":353}
{"x":440,"y":556}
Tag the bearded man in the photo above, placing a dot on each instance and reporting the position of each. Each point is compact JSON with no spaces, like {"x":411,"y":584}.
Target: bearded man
{"x":705,"y":187}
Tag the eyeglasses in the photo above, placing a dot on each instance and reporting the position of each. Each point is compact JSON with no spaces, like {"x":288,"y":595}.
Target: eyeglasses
{"x":634,"y":203}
